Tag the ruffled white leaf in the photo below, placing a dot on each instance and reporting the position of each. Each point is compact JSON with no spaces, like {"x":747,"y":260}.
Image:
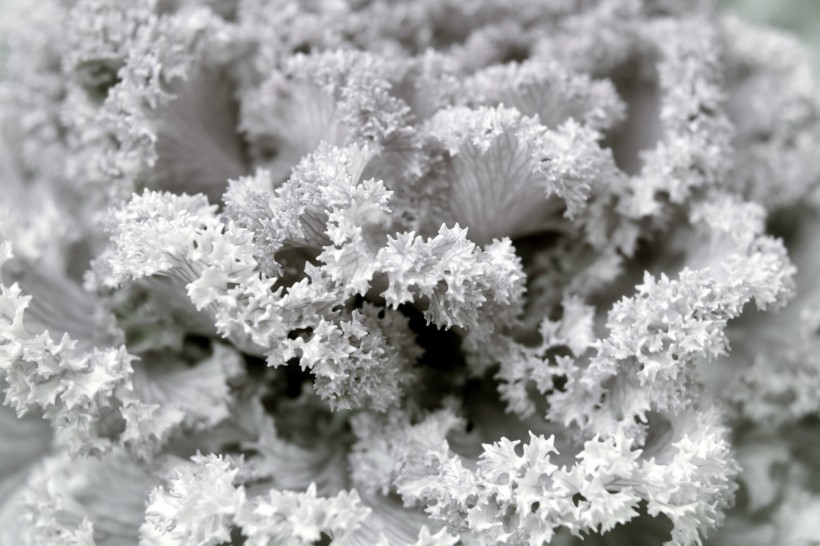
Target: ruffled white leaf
{"x":502,"y":174}
{"x":197,"y":506}
{"x":455,"y":279}
{"x":300,"y":518}
{"x":85,"y":501}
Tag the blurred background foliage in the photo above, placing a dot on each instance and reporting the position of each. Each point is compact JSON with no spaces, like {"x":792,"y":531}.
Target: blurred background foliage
{"x":800,"y":17}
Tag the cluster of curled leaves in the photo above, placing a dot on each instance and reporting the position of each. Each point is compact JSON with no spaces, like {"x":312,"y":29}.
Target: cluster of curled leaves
{"x":407,"y":273}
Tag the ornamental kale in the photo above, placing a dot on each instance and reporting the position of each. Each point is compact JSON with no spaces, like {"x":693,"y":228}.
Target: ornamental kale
{"x":407,"y":273}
